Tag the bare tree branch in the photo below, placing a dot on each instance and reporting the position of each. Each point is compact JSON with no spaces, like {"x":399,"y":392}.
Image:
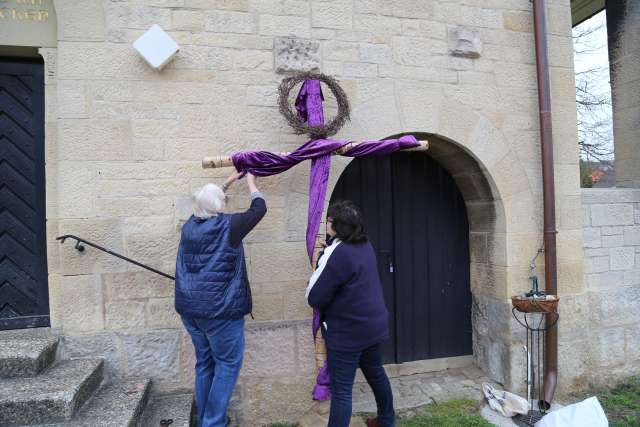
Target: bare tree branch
{"x":593,"y":105}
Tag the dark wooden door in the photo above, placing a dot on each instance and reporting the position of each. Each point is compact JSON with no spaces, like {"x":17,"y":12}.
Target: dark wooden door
{"x":417,"y":222}
{"x":24,"y":300}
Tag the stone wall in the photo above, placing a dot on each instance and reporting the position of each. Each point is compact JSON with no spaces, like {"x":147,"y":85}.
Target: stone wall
{"x":599,"y":336}
{"x":124,"y":145}
{"x":623,"y":23}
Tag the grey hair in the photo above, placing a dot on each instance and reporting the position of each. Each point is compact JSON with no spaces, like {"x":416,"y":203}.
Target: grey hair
{"x":208,"y":201}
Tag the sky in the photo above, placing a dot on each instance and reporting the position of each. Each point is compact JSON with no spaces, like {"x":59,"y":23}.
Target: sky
{"x":592,"y":67}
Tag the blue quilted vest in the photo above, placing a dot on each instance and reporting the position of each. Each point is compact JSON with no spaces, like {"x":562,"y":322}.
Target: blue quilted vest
{"x":211,"y":275}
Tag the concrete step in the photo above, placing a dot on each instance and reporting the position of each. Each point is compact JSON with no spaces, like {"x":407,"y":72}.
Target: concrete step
{"x":177,"y":407}
{"x":53,"y":396}
{"x":119,"y":404}
{"x":27,"y":352}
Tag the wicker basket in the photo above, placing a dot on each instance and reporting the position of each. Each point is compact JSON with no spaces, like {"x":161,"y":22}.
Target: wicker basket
{"x":535,"y":305}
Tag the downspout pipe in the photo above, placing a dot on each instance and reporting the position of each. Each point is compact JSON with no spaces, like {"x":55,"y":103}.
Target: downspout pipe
{"x":548,"y":191}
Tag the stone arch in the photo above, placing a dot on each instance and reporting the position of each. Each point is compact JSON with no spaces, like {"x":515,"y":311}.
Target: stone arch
{"x":487,"y":230}
{"x":500,"y":192}
{"x":504,"y":227}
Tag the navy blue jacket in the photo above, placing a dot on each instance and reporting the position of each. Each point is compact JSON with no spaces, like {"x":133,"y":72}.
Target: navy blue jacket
{"x":349,"y":295}
{"x":211,"y":272}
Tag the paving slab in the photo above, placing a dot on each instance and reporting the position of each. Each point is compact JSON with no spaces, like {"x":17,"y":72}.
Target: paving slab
{"x":417,"y":390}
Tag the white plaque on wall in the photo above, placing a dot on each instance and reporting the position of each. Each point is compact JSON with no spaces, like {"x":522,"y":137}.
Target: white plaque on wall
{"x":156,"y":47}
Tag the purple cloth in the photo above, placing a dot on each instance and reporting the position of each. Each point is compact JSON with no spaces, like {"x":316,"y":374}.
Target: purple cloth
{"x":382,"y":148}
{"x":309,"y":103}
{"x":309,"y":106}
{"x":264,"y":163}
{"x":322,"y":389}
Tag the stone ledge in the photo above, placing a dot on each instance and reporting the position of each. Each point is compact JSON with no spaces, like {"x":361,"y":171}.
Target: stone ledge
{"x":432,"y":365}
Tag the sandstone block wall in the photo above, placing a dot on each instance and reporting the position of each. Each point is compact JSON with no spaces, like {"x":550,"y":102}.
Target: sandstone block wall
{"x":599,"y":337}
{"x":124,"y":145}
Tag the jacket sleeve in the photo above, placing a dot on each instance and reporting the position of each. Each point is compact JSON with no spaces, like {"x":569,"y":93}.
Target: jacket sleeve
{"x":336,"y":273}
{"x":242,"y":223}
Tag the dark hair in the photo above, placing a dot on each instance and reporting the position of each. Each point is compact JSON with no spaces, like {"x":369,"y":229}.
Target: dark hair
{"x":347,"y":222}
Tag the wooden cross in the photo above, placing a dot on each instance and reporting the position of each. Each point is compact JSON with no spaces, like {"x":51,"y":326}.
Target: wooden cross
{"x":217,"y":162}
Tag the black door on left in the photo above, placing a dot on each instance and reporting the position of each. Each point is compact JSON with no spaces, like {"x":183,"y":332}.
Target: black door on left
{"x":24,"y":299}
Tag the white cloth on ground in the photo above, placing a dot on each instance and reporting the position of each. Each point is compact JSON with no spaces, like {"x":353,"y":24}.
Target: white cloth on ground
{"x":587,"y":413}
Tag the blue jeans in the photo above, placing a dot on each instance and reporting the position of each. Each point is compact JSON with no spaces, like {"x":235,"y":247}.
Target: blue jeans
{"x":219,"y":347}
{"x":342,"y":372}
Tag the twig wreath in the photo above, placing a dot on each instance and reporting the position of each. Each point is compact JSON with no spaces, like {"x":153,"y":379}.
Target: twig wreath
{"x":299,"y":126}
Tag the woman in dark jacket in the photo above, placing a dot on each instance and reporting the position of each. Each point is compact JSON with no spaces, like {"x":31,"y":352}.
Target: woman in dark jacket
{"x":347,"y":290}
{"x":213,"y":294}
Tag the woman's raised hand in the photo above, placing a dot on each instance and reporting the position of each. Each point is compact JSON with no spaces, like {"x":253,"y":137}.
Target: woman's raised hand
{"x":231,"y":179}
{"x":235,"y":176}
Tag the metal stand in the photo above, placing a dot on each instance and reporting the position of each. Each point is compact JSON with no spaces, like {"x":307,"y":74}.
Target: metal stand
{"x":535,"y":356}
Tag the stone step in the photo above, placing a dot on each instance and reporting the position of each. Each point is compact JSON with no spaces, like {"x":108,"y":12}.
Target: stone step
{"x":27,"y":352}
{"x":119,"y":404}
{"x":53,"y":396}
{"x":177,"y":407}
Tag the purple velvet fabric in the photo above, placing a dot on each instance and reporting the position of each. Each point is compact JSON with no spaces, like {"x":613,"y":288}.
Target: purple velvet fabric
{"x":382,"y":148}
{"x":264,"y":163}
{"x":309,"y":106}
{"x":309,"y":103}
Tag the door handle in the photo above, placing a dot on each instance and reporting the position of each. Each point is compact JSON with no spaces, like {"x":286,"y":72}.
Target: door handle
{"x":390,"y":267}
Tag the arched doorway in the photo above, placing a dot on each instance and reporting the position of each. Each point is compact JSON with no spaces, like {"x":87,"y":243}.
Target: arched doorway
{"x":417,"y":221}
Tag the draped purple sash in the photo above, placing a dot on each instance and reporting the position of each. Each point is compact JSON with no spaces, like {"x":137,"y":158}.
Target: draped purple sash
{"x":264,"y":163}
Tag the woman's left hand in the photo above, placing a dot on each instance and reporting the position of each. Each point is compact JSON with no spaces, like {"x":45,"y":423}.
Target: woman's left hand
{"x":232,"y":178}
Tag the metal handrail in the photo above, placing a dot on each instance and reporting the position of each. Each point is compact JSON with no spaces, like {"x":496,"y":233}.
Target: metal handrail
{"x":81,"y":248}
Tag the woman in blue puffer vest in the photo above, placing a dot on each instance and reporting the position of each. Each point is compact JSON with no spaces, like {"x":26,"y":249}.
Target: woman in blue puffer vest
{"x":213,"y":295}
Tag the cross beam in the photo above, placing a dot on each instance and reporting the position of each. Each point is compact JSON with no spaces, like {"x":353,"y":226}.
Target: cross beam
{"x":217,"y":162}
